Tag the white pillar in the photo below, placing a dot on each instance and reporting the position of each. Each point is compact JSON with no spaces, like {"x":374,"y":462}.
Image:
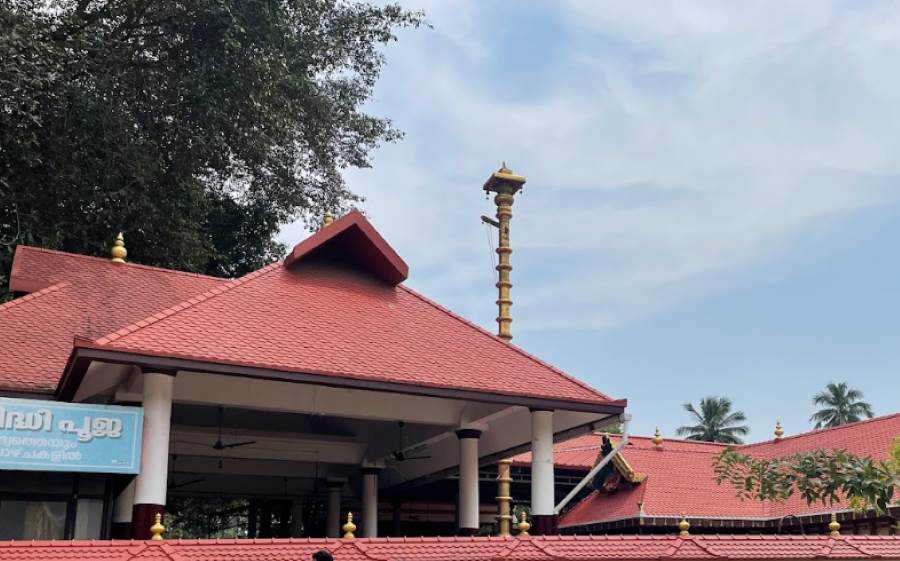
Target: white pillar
{"x":370,"y":502}
{"x":469,"y":506}
{"x":542,"y":495}
{"x":334,"y":509}
{"x":152,"y":481}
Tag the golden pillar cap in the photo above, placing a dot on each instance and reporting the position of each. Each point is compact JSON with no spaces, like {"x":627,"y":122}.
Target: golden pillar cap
{"x":523,"y":524}
{"x":157,"y":530}
{"x":504,"y":176}
{"x":118,"y":252}
{"x":349,"y":527}
{"x":657,"y":439}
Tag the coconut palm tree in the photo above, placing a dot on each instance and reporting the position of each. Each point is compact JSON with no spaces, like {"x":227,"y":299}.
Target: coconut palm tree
{"x":839,"y":404}
{"x":715,"y":422}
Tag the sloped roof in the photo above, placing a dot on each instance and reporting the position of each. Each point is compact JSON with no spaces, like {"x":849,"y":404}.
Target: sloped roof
{"x":334,"y":308}
{"x":581,"y":452}
{"x":314,"y":314}
{"x":536,"y":548}
{"x":76,"y":295}
{"x":680,"y":477}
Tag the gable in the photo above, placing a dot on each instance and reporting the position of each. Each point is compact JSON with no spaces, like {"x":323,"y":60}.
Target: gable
{"x":351,"y":240}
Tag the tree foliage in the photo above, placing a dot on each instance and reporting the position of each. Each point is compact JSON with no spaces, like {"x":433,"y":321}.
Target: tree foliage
{"x":196,"y":127}
{"x":840,"y":404}
{"x":820,"y":476}
{"x":715,"y":422}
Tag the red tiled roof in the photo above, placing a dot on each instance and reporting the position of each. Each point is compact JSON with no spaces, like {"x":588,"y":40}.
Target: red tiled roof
{"x":537,"y":548}
{"x":314,"y":314}
{"x":76,"y":295}
{"x":680,"y":477}
{"x":581,"y":452}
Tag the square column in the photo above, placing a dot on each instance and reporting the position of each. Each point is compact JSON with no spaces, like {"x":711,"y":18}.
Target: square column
{"x":543,"y":496}
{"x":151,"y":483}
{"x":370,"y":502}
{"x":469,"y":506}
{"x":122,"y":513}
{"x":333,"y":528}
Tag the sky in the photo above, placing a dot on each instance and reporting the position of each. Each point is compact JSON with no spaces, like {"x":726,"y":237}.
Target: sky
{"x":713,"y":195}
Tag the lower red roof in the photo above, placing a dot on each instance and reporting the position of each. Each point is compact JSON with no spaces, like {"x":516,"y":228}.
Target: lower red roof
{"x":680,"y":476}
{"x":76,"y":295}
{"x":538,"y":548}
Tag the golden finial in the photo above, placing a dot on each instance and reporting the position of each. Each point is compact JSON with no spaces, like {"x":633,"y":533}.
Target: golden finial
{"x":349,"y":527}
{"x":834,"y":526}
{"x":684,"y":526}
{"x":657,"y":439}
{"x":118,"y":250}
{"x":779,"y":432}
{"x":327,"y":219}
{"x":523,"y":524}
{"x":156,"y":531}
{"x":504,"y":170}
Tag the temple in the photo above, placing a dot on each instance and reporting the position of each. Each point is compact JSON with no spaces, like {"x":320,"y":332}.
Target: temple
{"x":317,"y":385}
{"x":341,"y":411}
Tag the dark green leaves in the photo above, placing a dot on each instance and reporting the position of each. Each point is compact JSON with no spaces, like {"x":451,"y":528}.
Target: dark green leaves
{"x":198,"y":128}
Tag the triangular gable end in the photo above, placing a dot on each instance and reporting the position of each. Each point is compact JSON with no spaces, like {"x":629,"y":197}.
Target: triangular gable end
{"x":353,"y":239}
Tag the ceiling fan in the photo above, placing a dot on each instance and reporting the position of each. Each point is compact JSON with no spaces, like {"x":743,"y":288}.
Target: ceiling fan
{"x":218,"y":444}
{"x":399,"y":455}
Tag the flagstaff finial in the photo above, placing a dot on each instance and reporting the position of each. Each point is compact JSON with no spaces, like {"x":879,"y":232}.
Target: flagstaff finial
{"x":523,"y":524}
{"x":118,"y":251}
{"x":657,"y":439}
{"x":349,"y":527}
{"x":834,"y":526}
{"x":157,"y":530}
{"x":684,"y":526}
{"x":505,"y":184}
{"x":779,"y":432}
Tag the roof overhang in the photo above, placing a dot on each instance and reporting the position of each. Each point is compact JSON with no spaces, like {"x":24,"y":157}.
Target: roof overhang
{"x":87,"y":351}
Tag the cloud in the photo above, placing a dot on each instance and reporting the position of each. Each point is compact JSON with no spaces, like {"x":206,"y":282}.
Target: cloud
{"x":671,"y":147}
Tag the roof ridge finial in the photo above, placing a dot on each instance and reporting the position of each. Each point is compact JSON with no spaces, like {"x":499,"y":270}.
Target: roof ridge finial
{"x":349,"y":527}
{"x":684,"y":526}
{"x":657,"y":439}
{"x":118,"y":252}
{"x":779,"y":431}
{"x":523,"y":524}
{"x":157,"y":530}
{"x":327,"y":219}
{"x":834,"y":526}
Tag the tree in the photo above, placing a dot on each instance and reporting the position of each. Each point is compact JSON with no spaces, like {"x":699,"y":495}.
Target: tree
{"x":839,"y":404}
{"x":821,"y":476}
{"x":715,"y":422}
{"x":198,"y":128}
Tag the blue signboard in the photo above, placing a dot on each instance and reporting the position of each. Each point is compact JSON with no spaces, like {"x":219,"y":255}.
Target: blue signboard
{"x":52,"y":436}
